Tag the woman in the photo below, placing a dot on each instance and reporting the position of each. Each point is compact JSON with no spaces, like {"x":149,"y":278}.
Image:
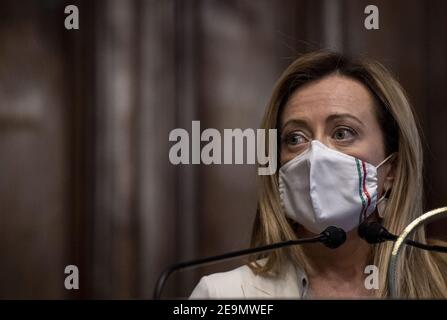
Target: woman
{"x":349,"y":151}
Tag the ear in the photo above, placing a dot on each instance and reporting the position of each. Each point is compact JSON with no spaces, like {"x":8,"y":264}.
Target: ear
{"x":390,"y":174}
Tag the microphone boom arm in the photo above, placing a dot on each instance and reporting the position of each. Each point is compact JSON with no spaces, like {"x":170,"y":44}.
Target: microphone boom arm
{"x":332,"y":237}
{"x":209,"y":260}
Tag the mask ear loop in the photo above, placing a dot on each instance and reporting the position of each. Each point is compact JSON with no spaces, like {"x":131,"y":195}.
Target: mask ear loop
{"x":382,"y":202}
{"x":385,"y":160}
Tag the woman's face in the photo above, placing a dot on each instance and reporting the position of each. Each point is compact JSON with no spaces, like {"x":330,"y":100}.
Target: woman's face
{"x":340,"y":113}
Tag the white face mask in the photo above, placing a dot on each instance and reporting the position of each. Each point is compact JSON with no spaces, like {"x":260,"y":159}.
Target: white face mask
{"x":323,"y":187}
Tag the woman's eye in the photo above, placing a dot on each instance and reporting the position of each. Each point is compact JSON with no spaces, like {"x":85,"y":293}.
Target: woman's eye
{"x":295,"y":138}
{"x":344,"y":134}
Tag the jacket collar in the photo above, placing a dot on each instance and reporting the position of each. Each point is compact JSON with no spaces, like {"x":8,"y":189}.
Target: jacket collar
{"x":292,"y":283}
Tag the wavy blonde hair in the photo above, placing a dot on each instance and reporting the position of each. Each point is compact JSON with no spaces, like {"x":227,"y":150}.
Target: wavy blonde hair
{"x":421,"y":275}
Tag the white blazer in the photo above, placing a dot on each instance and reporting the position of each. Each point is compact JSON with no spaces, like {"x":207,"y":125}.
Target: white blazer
{"x":242,"y":283}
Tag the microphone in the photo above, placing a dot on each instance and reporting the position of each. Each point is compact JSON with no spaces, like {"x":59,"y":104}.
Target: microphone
{"x":373,"y":232}
{"x":332,"y":237}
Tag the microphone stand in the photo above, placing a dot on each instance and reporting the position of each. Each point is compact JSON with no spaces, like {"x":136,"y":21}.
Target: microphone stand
{"x":374,"y":232}
{"x":429,"y":216}
{"x":327,"y":237}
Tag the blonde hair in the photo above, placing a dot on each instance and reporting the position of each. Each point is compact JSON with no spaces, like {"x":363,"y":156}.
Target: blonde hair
{"x":421,"y":275}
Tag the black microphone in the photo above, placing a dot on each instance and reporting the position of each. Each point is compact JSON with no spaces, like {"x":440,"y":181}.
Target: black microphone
{"x":373,"y":232}
{"x":332,"y":237}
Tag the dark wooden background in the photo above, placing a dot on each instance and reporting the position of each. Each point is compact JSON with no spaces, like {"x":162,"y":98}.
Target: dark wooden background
{"x":85,"y":115}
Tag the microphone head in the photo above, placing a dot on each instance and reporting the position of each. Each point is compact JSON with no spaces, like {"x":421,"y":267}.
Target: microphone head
{"x":333,"y":237}
{"x":371,"y":232}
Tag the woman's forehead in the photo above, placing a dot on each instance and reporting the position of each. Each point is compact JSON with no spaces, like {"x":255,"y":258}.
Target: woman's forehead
{"x":330,"y":95}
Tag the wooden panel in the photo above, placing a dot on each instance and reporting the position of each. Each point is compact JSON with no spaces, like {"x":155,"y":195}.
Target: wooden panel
{"x":436,"y":111}
{"x":34,"y":209}
{"x":157,"y":184}
{"x":114,"y":238}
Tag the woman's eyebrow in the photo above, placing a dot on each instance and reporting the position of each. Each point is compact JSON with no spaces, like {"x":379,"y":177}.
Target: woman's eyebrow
{"x":342,"y":116}
{"x":296,"y":122}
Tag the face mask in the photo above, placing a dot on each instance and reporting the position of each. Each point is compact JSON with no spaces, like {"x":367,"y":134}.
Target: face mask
{"x":323,"y":187}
